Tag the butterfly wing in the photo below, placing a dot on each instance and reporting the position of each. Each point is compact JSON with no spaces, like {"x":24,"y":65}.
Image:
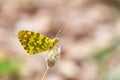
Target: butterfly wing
{"x":33,"y":42}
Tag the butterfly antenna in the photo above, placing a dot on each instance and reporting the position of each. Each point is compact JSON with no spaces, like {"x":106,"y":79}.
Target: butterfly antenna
{"x":58,"y":33}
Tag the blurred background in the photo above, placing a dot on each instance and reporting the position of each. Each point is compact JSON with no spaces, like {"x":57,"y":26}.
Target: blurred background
{"x":90,"y":39}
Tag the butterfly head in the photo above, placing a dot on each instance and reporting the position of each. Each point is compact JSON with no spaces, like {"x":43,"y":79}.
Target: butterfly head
{"x":55,"y":40}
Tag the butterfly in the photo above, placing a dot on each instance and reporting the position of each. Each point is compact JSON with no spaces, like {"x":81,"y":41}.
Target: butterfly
{"x":34,"y":42}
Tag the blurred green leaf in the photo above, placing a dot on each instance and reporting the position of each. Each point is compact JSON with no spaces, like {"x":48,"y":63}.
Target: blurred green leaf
{"x":9,"y":66}
{"x":115,"y":74}
{"x":102,"y":54}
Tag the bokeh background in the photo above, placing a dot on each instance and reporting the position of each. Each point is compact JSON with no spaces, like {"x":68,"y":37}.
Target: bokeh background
{"x":89,"y":39}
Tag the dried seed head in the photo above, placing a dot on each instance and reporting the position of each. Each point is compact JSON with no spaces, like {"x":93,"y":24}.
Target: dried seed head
{"x":53,"y":56}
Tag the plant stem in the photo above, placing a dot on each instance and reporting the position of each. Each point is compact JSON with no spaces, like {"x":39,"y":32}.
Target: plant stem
{"x":45,"y":73}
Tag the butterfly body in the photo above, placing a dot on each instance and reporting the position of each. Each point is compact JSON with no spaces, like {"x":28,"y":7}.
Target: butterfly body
{"x":34,"y":42}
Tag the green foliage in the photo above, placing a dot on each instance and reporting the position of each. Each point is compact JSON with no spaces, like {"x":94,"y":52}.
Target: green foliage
{"x":9,"y":66}
{"x":103,"y":59}
{"x":104,"y":53}
{"x":115,"y":74}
